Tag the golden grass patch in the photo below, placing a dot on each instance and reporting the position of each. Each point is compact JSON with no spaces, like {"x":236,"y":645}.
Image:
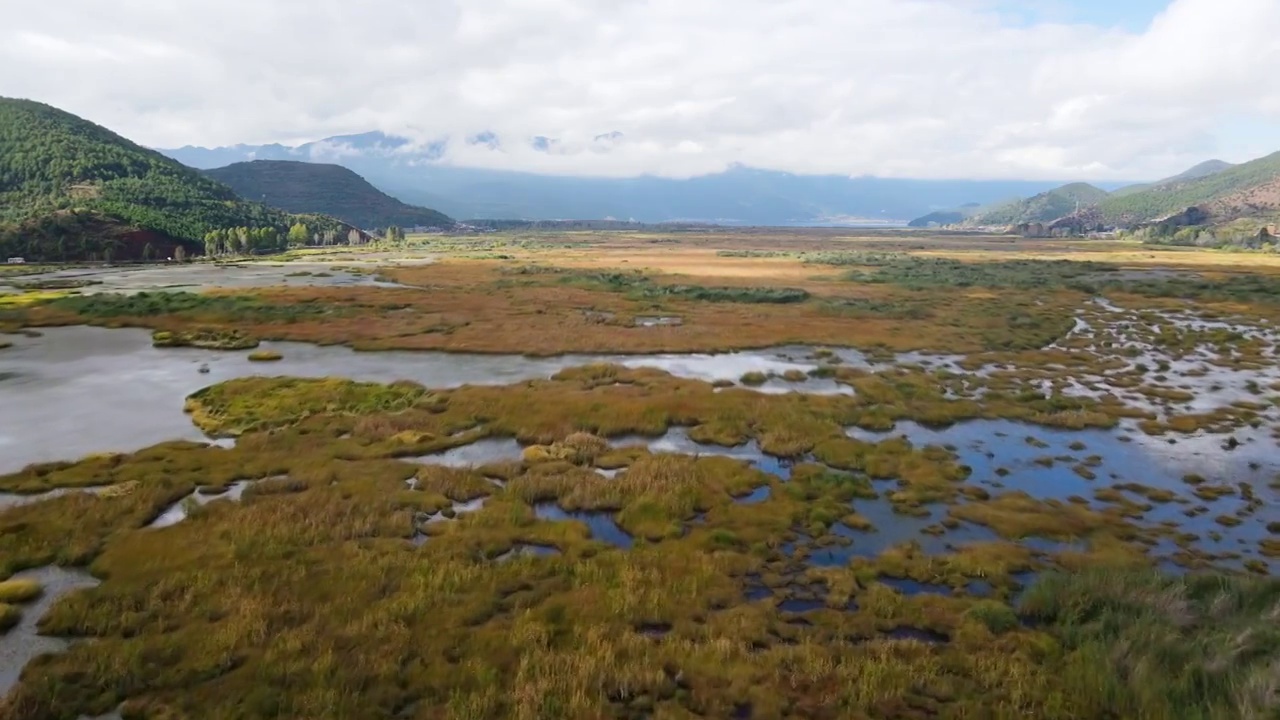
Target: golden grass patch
{"x":14,"y":592}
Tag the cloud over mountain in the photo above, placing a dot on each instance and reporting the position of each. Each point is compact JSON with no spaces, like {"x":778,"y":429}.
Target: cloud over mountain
{"x":907,"y":88}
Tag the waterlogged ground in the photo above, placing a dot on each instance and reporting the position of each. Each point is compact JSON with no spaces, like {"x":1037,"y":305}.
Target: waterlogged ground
{"x":195,"y":277}
{"x":800,"y":531}
{"x":23,"y":642}
{"x":110,"y":374}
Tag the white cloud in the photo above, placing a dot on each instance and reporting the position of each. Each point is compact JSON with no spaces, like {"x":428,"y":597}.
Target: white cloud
{"x":921,"y":88}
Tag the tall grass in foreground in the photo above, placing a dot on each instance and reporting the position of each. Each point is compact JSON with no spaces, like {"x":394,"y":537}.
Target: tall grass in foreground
{"x":1144,"y":645}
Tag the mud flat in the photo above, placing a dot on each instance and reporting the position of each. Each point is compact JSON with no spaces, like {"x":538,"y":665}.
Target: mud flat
{"x":195,"y":277}
{"x":24,"y":642}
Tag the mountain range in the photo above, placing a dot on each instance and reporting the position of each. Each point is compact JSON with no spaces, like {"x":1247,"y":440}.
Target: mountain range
{"x":70,"y":189}
{"x":420,"y":175}
{"x":1212,"y":193}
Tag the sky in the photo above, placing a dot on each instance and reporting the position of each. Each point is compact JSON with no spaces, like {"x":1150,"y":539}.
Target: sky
{"x":1028,"y":89}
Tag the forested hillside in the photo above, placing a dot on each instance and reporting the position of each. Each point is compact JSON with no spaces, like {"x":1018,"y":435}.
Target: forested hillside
{"x":319,"y":188}
{"x":70,"y":189}
{"x":1202,"y":170}
{"x":1042,"y":208}
{"x":1238,"y":191}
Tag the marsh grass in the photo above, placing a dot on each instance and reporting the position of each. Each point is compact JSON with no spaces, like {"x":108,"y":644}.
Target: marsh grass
{"x":484,"y":306}
{"x":10,"y":615}
{"x":206,"y":338}
{"x":236,"y":409}
{"x":1236,"y":288}
{"x":994,"y":562}
{"x":1016,"y":515}
{"x":640,"y":286}
{"x":919,"y":272}
{"x":320,"y":554}
{"x":15,"y":592}
{"x":326,"y":592}
{"x":1147,"y":646}
{"x":193,"y":305}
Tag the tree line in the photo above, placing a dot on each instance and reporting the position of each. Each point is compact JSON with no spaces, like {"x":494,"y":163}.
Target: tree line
{"x":257,"y":241}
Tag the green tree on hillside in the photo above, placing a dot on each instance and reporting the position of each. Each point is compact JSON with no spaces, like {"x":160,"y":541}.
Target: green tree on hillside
{"x":299,"y":234}
{"x":306,"y":187}
{"x":70,"y":189}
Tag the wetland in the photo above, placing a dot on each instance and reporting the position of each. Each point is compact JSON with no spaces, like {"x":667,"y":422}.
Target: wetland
{"x":627,"y":475}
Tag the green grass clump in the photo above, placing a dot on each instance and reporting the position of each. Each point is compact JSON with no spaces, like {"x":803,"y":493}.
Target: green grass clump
{"x":755,"y":253}
{"x":208,"y":339}
{"x":855,"y":257}
{"x":920,"y":273}
{"x":867,"y":308}
{"x":149,"y":304}
{"x":996,"y":616}
{"x":1143,"y":645}
{"x":253,"y":403}
{"x":10,"y":615}
{"x":1259,"y":288}
{"x":19,"y":591}
{"x":642,"y":287}
{"x":1017,"y":515}
{"x":106,"y":306}
{"x":730,"y":294}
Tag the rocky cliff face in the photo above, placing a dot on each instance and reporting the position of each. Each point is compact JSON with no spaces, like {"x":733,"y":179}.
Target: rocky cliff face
{"x":1082,"y":222}
{"x":1193,"y":215}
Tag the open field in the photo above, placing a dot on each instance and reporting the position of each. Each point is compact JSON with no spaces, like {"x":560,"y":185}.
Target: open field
{"x":749,"y":474}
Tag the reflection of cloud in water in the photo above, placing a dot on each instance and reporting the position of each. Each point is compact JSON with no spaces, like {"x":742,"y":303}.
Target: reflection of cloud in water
{"x":480,"y":452}
{"x":987,"y":445}
{"x":731,"y":366}
{"x":677,"y":440}
{"x":601,"y":524}
{"x":71,"y":387}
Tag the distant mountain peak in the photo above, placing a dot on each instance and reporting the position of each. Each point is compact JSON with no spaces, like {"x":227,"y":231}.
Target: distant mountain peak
{"x":1220,"y":190}
{"x":1204,"y":169}
{"x":419,"y":173}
